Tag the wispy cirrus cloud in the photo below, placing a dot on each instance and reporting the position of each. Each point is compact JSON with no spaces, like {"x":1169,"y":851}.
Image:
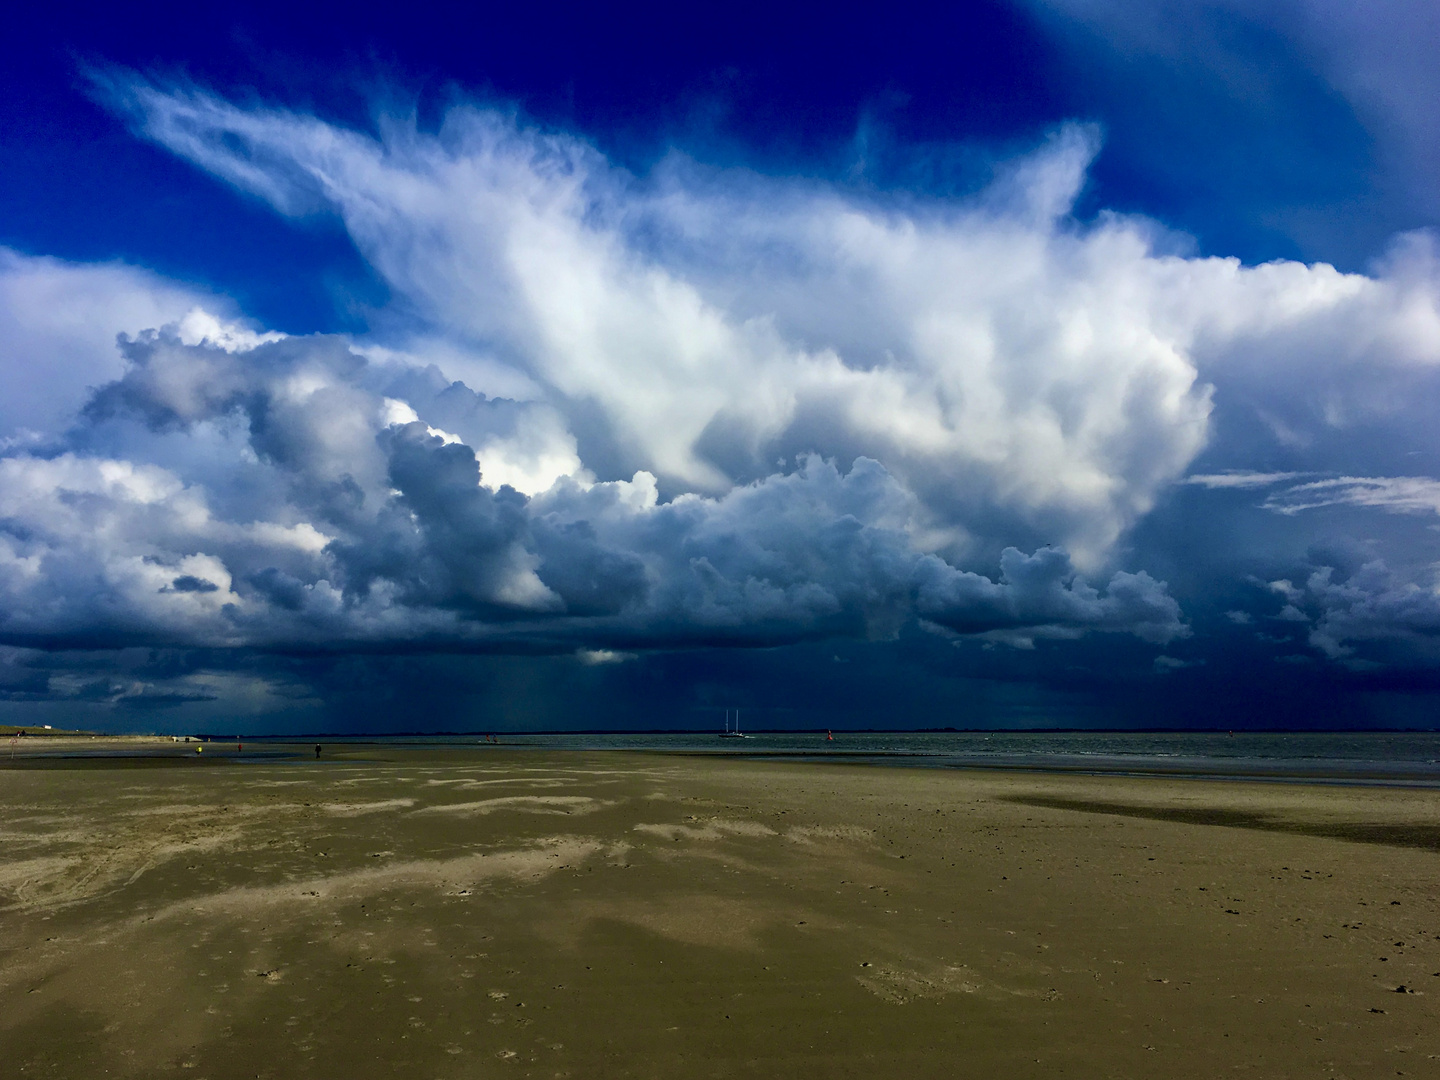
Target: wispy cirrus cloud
{"x":1240,"y":479}
{"x":1393,"y":494}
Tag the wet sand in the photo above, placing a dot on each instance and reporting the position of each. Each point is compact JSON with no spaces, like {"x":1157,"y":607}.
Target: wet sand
{"x":449,"y":914}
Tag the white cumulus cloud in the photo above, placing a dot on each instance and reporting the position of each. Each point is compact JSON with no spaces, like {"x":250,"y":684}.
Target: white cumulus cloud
{"x":58,"y":322}
{"x":1015,"y":369}
{"x":739,"y":409}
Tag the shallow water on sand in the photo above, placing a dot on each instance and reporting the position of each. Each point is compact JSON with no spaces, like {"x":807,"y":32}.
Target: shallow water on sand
{"x":1411,"y":747}
{"x":1409,"y":757}
{"x":1369,"y":758}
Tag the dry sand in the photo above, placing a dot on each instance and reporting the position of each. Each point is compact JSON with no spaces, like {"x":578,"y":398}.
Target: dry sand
{"x":523,"y":913}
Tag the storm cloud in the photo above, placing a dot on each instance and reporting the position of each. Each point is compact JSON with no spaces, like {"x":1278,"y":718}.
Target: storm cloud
{"x":608,"y":414}
{"x":300,"y":505}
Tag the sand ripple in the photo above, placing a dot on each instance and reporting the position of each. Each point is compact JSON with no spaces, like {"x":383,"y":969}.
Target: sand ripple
{"x":464,"y":872}
{"x":357,"y":809}
{"x":532,"y":804}
{"x":715,"y":829}
{"x":899,"y":986}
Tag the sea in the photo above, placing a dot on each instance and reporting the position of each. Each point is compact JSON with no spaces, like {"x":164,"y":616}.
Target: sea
{"x":1383,"y":758}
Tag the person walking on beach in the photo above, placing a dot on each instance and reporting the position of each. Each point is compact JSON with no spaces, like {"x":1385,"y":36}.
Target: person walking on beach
{"x":317,"y":750}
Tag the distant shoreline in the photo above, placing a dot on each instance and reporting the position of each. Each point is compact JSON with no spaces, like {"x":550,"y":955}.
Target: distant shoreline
{"x":6,"y":730}
{"x":57,"y":749}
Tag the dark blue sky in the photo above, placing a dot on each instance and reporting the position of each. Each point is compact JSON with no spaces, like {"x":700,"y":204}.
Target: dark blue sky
{"x":1239,"y":144}
{"x":965,"y":253}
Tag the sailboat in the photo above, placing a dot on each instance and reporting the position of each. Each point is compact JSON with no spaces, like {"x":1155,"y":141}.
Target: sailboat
{"x":729,"y":732}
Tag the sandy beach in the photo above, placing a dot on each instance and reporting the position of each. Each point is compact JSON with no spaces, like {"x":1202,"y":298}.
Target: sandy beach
{"x":494,"y":912}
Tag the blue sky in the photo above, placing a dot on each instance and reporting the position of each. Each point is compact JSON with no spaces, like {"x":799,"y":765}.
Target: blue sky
{"x":1012,"y":364}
